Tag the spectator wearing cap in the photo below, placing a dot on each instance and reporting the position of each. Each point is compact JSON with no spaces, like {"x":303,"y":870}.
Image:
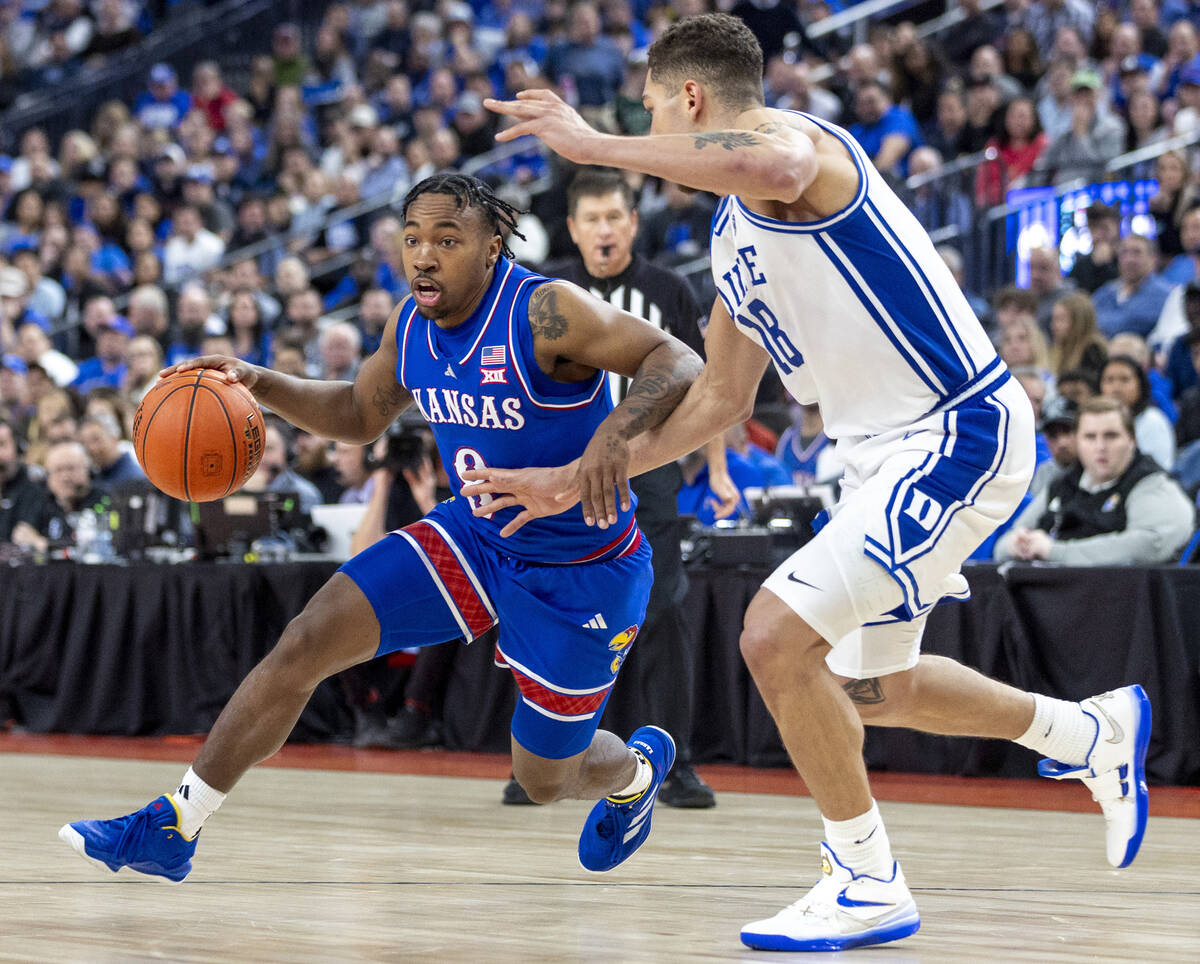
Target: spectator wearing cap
{"x":21,"y":496}
{"x":1093,"y":138}
{"x":163,"y":105}
{"x":1134,"y":301}
{"x":192,"y":249}
{"x":33,"y":345}
{"x":1128,"y":67}
{"x":475,"y":127}
{"x":1115,"y":507}
{"x":1057,"y":427}
{"x":107,"y":366}
{"x":113,"y":465}
{"x":1125,"y":380}
{"x":1099,"y":265}
{"x":166,"y":181}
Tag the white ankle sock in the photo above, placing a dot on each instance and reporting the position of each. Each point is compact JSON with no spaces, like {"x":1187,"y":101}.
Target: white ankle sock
{"x":197,"y":801}
{"x":1060,"y":730}
{"x":641,"y":779}
{"x":861,"y":843}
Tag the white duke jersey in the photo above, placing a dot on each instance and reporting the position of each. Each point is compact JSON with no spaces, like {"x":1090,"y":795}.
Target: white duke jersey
{"x":857,"y":310}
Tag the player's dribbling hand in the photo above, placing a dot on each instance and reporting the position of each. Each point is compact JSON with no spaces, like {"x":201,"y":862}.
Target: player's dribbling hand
{"x":539,"y":492}
{"x":234,"y":369}
{"x":547,"y":116}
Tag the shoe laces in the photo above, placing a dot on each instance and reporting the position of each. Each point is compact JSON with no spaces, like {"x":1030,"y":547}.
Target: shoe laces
{"x":820,"y":901}
{"x":136,"y":826}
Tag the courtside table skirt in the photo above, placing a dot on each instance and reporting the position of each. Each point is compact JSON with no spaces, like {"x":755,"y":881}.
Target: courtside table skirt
{"x":155,"y":649}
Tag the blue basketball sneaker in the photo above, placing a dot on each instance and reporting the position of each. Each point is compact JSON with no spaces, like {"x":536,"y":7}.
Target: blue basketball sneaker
{"x":616,"y":828}
{"x":148,"y":841}
{"x":1115,"y":770}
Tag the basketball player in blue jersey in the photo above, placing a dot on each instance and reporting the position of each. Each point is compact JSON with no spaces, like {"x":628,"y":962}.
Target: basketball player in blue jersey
{"x":506,"y":366}
{"x":823,"y":272}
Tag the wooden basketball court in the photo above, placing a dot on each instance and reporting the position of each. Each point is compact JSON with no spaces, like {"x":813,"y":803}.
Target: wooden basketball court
{"x":327,"y":864}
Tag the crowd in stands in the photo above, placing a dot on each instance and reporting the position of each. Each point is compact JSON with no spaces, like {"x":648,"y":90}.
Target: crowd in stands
{"x":253,"y":214}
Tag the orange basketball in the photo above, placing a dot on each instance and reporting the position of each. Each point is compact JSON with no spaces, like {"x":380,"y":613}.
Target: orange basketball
{"x":197,"y":436}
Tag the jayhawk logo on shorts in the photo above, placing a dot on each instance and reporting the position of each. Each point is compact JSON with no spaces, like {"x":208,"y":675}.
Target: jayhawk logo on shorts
{"x":620,"y":644}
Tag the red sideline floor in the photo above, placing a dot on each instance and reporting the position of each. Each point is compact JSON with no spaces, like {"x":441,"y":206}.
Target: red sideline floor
{"x":901,"y":787}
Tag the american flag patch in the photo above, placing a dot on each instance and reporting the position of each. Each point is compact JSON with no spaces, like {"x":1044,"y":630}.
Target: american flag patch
{"x":495,"y":355}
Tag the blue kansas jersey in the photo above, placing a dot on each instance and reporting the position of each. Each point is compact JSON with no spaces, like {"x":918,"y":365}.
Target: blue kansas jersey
{"x":489,"y":404}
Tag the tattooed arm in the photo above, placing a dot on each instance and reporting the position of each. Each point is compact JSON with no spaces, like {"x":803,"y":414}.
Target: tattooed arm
{"x":356,"y":412}
{"x":574,"y":334}
{"x":765,"y":159}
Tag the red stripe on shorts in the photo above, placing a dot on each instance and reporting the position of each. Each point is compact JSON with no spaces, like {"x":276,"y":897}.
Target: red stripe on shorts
{"x":564,"y":704}
{"x":453,"y":577}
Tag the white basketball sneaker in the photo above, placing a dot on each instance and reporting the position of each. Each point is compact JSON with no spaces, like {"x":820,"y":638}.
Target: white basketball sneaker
{"x":841,"y":911}
{"x":1115,"y":770}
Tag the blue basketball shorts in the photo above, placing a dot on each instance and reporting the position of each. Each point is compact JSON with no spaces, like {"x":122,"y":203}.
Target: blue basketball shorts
{"x":564,"y":631}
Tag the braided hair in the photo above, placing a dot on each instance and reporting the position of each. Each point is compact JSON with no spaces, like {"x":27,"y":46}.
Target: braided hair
{"x":470,"y":192}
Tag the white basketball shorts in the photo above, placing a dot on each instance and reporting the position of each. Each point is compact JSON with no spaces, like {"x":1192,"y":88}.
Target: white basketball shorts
{"x":915,"y":503}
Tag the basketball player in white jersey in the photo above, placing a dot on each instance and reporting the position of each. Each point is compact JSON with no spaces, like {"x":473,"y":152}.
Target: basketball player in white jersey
{"x":823,"y":271}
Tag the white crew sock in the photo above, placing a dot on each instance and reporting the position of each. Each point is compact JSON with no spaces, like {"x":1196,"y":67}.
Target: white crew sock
{"x":197,"y":801}
{"x":1060,"y":730}
{"x":641,"y":779}
{"x":861,"y":843}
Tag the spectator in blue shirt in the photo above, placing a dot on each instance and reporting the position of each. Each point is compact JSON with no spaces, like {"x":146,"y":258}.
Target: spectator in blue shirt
{"x":1134,"y":301}
{"x":588,"y":67}
{"x":749,"y":466}
{"x":887,"y":133}
{"x":1182,"y":268}
{"x":164,"y":105}
{"x":108,"y":365}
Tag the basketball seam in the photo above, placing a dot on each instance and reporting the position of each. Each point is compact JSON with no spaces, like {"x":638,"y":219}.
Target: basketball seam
{"x":187,"y":432}
{"x":233,"y":436}
{"x":154,"y":414}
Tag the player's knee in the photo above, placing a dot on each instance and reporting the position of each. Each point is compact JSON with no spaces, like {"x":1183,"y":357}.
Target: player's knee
{"x":542,"y":786}
{"x":765,"y":647}
{"x":297,"y":655}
